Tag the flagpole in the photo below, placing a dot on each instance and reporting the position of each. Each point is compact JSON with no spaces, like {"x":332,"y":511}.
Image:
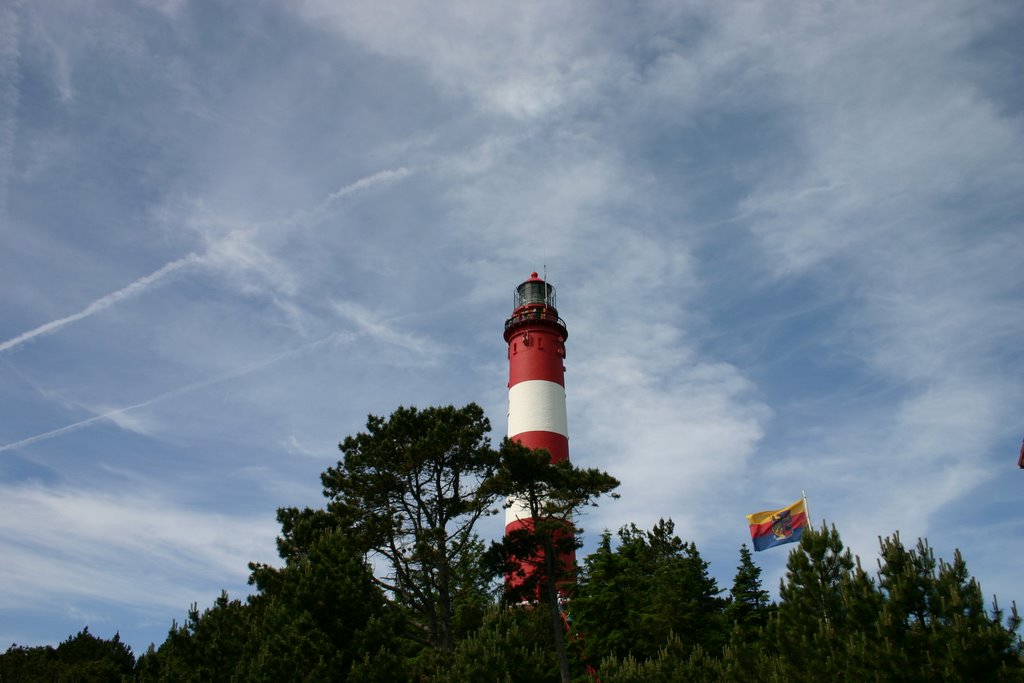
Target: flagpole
{"x":807,"y":509}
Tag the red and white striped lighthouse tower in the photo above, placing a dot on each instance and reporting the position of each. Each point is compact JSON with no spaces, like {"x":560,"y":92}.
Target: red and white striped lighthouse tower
{"x":536,"y":386}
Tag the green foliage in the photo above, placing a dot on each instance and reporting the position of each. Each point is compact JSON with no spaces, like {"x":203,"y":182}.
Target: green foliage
{"x":300,"y":529}
{"x":922,"y":621}
{"x":933,"y":618}
{"x":206,"y":647}
{"x":310,"y":618}
{"x":88,"y":658}
{"x":380,"y":665}
{"x":553,"y":494}
{"x":315,"y":619}
{"x":822,"y":605}
{"x":632,"y":599}
{"x":408,"y":492}
{"x":82,"y":657}
{"x":815,"y":571}
{"x":330,"y":583}
{"x":22,"y":664}
{"x":321,"y":617}
{"x":749,"y":603}
{"x":509,"y":646}
{"x":674,"y":662}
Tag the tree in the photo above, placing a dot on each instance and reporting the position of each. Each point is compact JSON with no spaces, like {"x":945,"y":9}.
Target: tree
{"x":88,"y":658}
{"x":207,"y":647}
{"x":934,"y":619}
{"x":318,"y":616}
{"x":747,"y":612}
{"x":814,"y":572}
{"x":811,"y":614}
{"x":82,"y":657}
{"x":685,"y":595}
{"x":407,"y":491}
{"x":553,"y":494}
{"x":674,"y":662}
{"x":748,"y":606}
{"x":924,"y":620}
{"x":509,"y":646}
{"x":633,"y":598}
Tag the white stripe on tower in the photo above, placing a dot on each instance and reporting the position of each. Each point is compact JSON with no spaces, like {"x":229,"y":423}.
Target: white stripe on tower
{"x":537,"y":405}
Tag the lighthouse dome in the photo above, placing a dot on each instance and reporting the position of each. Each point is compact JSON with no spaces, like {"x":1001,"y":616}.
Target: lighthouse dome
{"x":535,"y":291}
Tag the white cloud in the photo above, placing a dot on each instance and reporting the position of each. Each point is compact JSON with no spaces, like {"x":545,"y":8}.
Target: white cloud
{"x":122,"y":416}
{"x":371,"y":323}
{"x":525,"y":60}
{"x":894,"y":145}
{"x":61,"y":68}
{"x":676,"y":434}
{"x":297,"y":446}
{"x":784,"y":240}
{"x":138,"y":549}
{"x":240,"y":255}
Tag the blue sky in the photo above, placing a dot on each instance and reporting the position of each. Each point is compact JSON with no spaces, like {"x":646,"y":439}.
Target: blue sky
{"x":787,"y":241}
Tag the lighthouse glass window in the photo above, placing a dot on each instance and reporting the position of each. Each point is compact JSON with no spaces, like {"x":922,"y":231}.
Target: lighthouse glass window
{"x":535,"y":292}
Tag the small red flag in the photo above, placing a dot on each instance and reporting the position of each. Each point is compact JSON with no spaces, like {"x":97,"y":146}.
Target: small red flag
{"x":1020,"y":461}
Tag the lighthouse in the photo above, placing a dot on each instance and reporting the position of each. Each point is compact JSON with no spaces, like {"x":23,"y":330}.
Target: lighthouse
{"x":536,"y":386}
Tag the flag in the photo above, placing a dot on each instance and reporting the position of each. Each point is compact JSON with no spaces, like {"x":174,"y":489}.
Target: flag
{"x":1020,"y":461}
{"x":775,"y":527}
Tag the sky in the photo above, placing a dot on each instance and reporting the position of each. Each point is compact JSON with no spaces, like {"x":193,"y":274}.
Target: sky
{"x":786,"y":240}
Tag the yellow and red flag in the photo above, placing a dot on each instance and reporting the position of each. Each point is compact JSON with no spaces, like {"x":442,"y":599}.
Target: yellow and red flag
{"x":775,"y":527}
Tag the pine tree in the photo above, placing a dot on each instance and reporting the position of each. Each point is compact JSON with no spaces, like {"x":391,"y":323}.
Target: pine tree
{"x":206,"y":647}
{"x":316,"y":617}
{"x":511,"y":645}
{"x":407,"y":491}
{"x":811,"y":618}
{"x":749,"y":603}
{"x":81,"y":657}
{"x":630,"y":600}
{"x":934,"y":624}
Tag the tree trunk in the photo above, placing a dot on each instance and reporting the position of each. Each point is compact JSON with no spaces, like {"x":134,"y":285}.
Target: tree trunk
{"x":444,"y":597}
{"x":557,"y":631}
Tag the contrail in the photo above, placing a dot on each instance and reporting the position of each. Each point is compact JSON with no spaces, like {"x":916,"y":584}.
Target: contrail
{"x":368,"y":181}
{"x":781,"y":202}
{"x":137,"y":287}
{"x":385,"y":176}
{"x":148,"y":281}
{"x":232,"y":374}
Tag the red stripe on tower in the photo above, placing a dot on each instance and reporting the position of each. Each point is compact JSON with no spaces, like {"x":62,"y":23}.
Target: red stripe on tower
{"x":536,"y":386}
